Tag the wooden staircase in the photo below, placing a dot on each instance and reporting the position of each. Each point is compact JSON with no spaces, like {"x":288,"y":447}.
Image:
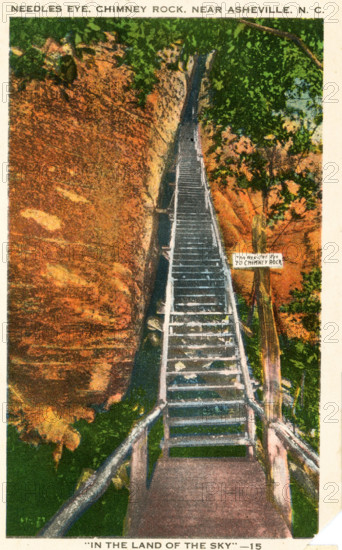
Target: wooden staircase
{"x":205,"y":379}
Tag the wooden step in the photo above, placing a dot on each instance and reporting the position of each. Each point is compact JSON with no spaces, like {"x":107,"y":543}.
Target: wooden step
{"x":188,"y":267}
{"x":202,"y":314}
{"x":202,"y":387}
{"x":189,"y":264}
{"x":186,"y":353}
{"x":182,"y":403}
{"x":191,"y":335}
{"x":197,"y":313}
{"x":208,"y":441}
{"x":192,"y":290}
{"x":211,"y":372}
{"x":197,"y":310}
{"x":198,"y":306}
{"x":186,"y":248}
{"x":203,"y":359}
{"x":205,"y":421}
{"x":194,"y":323}
{"x":189,"y":293}
{"x":214,"y":346}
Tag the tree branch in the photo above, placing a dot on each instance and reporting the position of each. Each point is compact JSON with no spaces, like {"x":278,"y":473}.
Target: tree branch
{"x":288,"y":36}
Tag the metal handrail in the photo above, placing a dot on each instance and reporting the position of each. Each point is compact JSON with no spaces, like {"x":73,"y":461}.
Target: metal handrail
{"x":98,"y":483}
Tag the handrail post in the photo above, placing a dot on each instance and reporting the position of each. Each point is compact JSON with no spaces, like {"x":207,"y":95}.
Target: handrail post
{"x":138,"y":483}
{"x":277,"y":469}
{"x":251,"y":430}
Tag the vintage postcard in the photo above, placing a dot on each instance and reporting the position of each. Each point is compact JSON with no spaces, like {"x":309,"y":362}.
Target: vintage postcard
{"x":171,"y":251}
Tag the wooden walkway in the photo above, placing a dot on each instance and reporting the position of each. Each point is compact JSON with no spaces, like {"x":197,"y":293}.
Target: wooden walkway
{"x":210,"y":497}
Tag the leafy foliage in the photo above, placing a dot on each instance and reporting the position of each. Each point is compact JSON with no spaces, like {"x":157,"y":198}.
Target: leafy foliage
{"x":307,"y":300}
{"x":33,"y":32}
{"x":301,"y":365}
{"x":29,"y":35}
{"x":144,"y":39}
{"x":301,"y":360}
{"x":29,"y":65}
{"x":264,"y":88}
{"x":305,"y":512}
{"x":252,"y":75}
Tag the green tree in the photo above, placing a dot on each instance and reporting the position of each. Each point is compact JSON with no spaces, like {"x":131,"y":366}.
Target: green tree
{"x":266,"y":88}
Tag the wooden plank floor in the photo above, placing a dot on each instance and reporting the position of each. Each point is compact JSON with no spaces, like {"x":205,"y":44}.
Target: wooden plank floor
{"x":209,"y":498}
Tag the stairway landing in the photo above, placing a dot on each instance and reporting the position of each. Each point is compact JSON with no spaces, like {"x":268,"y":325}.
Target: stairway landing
{"x":196,"y":497}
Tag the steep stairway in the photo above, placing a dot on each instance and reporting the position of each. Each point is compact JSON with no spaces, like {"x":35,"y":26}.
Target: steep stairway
{"x":204,"y":390}
{"x":204,"y":370}
{"x":205,"y":379}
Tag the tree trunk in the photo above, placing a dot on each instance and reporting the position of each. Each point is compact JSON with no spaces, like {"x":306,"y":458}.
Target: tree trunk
{"x":278,"y":479}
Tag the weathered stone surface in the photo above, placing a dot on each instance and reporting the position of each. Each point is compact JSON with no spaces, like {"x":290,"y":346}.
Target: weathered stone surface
{"x":85,"y":172}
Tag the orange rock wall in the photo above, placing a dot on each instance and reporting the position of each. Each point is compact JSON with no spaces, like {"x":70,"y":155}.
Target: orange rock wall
{"x":85,"y":170}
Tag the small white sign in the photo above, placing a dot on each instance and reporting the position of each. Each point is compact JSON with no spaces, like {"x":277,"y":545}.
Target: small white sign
{"x":244,"y":260}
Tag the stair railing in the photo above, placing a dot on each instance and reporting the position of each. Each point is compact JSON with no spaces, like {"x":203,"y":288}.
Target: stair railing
{"x":292,"y":442}
{"x":92,"y":489}
{"x":169,"y":306}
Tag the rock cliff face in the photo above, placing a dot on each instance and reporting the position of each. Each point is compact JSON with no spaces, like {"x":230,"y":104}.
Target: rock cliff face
{"x":85,"y":170}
